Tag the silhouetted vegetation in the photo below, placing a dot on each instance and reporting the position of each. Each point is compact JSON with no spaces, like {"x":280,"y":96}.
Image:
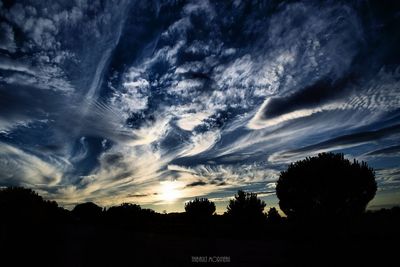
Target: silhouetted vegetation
{"x":327,"y":186}
{"x":128,"y":235}
{"x":128,"y":214}
{"x":19,"y":205}
{"x":87,"y":212}
{"x":246,"y":207}
{"x":200,"y":208}
{"x":273,"y":216}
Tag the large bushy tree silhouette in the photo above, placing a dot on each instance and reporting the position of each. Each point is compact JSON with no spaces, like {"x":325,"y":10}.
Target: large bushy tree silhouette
{"x":22,"y":205}
{"x":246,"y":207}
{"x":87,"y":212}
{"x":127,"y":214}
{"x":325,"y":186}
{"x":200,"y":208}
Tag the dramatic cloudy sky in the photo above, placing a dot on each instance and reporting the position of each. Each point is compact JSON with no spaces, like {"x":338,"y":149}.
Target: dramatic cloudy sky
{"x":156,"y":102}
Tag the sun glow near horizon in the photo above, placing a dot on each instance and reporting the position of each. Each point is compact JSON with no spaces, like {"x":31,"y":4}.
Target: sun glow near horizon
{"x":170,"y":191}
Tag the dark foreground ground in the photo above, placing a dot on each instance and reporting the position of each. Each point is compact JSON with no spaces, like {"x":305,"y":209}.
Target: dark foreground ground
{"x":173,"y":240}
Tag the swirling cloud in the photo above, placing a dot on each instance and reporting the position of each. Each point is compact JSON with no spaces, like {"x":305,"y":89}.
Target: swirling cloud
{"x":121,"y":101}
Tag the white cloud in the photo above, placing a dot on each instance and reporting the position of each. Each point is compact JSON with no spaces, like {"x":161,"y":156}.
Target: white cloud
{"x":388,"y":178}
{"x":27,"y":169}
{"x":189,"y":121}
{"x":7,"y":41}
{"x":259,"y":122}
{"x":7,"y":125}
{"x":378,"y":94}
{"x":48,"y":77}
{"x":72,"y":16}
{"x":177,"y":29}
{"x":196,"y":7}
{"x":13,"y":65}
{"x":219,"y":178}
{"x":201,"y":142}
{"x":151,"y":132}
{"x":130,"y":101}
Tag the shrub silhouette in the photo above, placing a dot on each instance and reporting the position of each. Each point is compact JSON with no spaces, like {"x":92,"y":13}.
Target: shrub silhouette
{"x":273,"y":216}
{"x":22,"y":205}
{"x":246,"y":207}
{"x":325,"y":186}
{"x":125,"y":213}
{"x":87,"y":212}
{"x":200,"y":207}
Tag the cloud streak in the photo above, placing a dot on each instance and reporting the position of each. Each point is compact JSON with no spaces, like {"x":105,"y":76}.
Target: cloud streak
{"x":203,"y":98}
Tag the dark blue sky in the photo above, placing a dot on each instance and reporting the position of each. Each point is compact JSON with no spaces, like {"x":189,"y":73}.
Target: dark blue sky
{"x":156,"y":102}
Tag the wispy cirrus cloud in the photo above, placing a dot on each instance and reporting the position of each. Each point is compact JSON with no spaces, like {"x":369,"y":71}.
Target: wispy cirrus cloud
{"x":340,"y":142}
{"x":199,"y":98}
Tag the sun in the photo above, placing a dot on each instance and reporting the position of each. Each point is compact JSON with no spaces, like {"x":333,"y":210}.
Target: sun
{"x":170,"y":191}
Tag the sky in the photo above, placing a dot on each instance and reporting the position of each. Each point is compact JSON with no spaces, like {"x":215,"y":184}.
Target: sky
{"x":158,"y":102}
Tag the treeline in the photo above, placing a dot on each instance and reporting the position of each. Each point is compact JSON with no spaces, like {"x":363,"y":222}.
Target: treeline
{"x":245,"y":212}
{"x":22,"y":205}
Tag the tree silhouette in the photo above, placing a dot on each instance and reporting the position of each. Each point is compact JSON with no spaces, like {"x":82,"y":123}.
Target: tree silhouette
{"x":246,"y":207}
{"x":200,"y":207}
{"x":22,"y":205}
{"x":273,"y":216}
{"x":87,"y":212}
{"x":325,"y":186}
{"x":125,"y":213}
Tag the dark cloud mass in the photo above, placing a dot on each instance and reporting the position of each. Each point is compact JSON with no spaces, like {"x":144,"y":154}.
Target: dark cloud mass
{"x":142,"y":101}
{"x":310,"y":97}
